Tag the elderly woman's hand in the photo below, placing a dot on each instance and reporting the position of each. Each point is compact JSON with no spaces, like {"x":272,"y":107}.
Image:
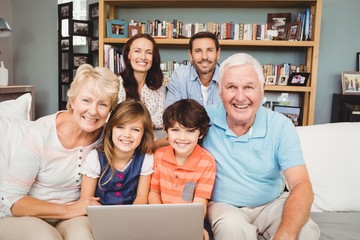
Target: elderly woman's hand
{"x":78,"y":208}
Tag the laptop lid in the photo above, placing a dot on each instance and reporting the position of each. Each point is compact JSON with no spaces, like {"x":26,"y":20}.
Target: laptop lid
{"x":147,"y":222}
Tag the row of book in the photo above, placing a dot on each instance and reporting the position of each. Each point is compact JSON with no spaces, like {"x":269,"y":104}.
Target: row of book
{"x":282,"y":69}
{"x":300,"y":30}
{"x":305,"y":21}
{"x":113,"y":60}
{"x":277,"y":74}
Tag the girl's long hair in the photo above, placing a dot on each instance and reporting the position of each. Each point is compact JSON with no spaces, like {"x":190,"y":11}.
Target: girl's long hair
{"x":124,"y":113}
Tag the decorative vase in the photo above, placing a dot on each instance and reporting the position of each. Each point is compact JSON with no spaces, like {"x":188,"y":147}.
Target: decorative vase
{"x":4,"y":75}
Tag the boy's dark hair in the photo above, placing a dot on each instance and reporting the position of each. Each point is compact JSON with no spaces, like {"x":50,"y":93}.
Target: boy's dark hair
{"x":204,"y":35}
{"x":188,"y":113}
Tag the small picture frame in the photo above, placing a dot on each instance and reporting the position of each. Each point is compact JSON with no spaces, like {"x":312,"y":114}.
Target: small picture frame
{"x":270,"y":80}
{"x":358,"y":61}
{"x":81,"y":28}
{"x":79,"y":59}
{"x":279,"y":22}
{"x":94,"y":45}
{"x":66,"y":76}
{"x":283,"y":79}
{"x":116,"y":28}
{"x":94,"y":11}
{"x":133,"y":30}
{"x":282,"y":33}
{"x":270,"y":104}
{"x":292,"y":112}
{"x":65,"y":44}
{"x":293,"y":31}
{"x":350,"y":82}
{"x":65,"y":10}
{"x":298,"y":79}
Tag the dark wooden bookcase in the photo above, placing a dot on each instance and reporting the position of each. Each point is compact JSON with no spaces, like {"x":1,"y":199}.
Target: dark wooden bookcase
{"x":70,"y":57}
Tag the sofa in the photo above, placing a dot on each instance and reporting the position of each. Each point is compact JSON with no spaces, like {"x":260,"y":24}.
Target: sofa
{"x":331,"y":152}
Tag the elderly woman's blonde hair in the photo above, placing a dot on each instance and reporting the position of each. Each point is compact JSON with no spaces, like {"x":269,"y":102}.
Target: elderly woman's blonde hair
{"x":101,"y":82}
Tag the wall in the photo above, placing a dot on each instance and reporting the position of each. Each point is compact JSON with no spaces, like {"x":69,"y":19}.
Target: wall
{"x":338,"y":47}
{"x":6,"y":43}
{"x":34,"y":38}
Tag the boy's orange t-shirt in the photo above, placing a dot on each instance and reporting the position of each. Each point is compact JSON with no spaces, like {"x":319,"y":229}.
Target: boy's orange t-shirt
{"x":180,"y":184}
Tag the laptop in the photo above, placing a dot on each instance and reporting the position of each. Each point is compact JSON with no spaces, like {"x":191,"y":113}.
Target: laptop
{"x":147,"y":222}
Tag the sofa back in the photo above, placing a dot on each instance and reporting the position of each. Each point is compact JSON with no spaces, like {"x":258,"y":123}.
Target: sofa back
{"x":332,"y":155}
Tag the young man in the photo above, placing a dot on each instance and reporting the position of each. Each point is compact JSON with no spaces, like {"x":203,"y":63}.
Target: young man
{"x":198,"y":80}
{"x":256,"y":151}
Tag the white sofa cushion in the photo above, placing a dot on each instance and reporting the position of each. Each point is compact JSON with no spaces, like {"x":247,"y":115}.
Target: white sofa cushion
{"x":12,"y":131}
{"x":331,"y":153}
{"x":18,"y":108}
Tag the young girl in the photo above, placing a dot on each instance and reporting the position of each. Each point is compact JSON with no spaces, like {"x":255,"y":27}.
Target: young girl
{"x":120,"y":172}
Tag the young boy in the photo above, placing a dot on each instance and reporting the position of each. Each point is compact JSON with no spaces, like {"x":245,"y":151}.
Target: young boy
{"x":184,"y":165}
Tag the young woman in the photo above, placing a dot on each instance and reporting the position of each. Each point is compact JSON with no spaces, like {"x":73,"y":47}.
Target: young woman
{"x":120,"y":171}
{"x":142,"y":79}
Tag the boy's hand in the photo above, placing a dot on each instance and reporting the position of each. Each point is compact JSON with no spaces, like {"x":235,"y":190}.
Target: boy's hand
{"x":205,"y":235}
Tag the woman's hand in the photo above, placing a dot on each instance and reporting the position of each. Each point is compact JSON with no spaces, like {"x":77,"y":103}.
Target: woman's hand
{"x":78,"y":208}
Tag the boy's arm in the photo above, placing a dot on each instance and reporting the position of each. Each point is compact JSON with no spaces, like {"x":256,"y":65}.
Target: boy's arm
{"x":204,"y":202}
{"x":143,"y":189}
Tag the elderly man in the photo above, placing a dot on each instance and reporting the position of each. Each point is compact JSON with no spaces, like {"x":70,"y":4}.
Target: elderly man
{"x":256,"y":151}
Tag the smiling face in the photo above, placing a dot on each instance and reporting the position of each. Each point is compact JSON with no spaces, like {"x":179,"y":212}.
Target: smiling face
{"x":90,"y":111}
{"x":127,"y":137}
{"x":204,"y":55}
{"x":141,"y":55}
{"x":183,"y":140}
{"x":241,"y":92}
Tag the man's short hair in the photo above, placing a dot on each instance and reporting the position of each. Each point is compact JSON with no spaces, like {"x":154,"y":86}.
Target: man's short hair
{"x":204,"y":35}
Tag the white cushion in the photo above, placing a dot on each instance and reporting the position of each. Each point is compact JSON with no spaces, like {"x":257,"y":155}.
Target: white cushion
{"x":331,"y":153}
{"x":12,"y":132}
{"x":18,"y":108}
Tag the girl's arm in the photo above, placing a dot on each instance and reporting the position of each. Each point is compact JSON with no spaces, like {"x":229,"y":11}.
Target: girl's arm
{"x":154,"y":197}
{"x":143,"y":189}
{"x":88,"y":186}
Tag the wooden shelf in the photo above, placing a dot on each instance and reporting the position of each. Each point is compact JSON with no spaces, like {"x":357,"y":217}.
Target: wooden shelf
{"x":212,"y":3}
{"x":185,"y":42}
{"x":109,"y":9}
{"x":277,"y":88}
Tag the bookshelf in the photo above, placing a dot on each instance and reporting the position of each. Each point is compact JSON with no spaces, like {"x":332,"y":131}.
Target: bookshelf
{"x":70,"y":57}
{"x":109,"y":9}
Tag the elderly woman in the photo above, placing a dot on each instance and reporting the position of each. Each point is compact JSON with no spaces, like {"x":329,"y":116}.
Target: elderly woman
{"x":40,"y":192}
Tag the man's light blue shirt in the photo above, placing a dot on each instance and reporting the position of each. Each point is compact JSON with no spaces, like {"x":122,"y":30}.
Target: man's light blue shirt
{"x":185,"y":84}
{"x":250,"y":167}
